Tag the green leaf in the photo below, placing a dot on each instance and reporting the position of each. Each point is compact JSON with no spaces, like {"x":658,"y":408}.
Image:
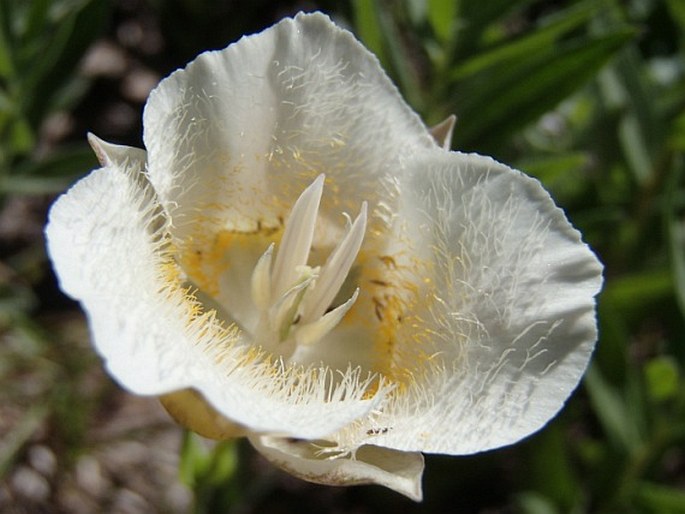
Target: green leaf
{"x":21,"y":136}
{"x":51,"y":67}
{"x":677,"y":243}
{"x":677,"y":139}
{"x":612,"y":412}
{"x":368,"y":27}
{"x":6,"y":63}
{"x":476,"y":16}
{"x":677,"y":10}
{"x":379,"y":28}
{"x":224,"y":462}
{"x":558,"y":172}
{"x":204,"y":466}
{"x":51,"y":175}
{"x":509,"y":52}
{"x":638,"y":290}
{"x":37,"y":19}
{"x":442,"y":16}
{"x":641,"y":132}
{"x":549,"y":467}
{"x":660,"y":498}
{"x":676,"y":232}
{"x":194,"y":458}
{"x":499,"y":100}
{"x":662,"y":377}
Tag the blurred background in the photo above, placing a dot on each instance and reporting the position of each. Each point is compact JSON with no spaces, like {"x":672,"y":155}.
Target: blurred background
{"x":587,"y":96}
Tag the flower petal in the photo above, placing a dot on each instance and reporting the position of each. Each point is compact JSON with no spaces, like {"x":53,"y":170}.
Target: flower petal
{"x":108,"y":241}
{"x":399,"y":471}
{"x":502,"y":322}
{"x":90,"y":233}
{"x":236,"y":136}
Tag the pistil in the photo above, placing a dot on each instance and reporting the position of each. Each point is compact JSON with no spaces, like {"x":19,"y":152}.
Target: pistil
{"x":293,"y":298}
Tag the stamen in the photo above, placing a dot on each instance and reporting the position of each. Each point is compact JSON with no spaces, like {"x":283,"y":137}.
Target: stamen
{"x":313,"y":332}
{"x":297,"y":238}
{"x":335,"y":271}
{"x":261,"y":280}
{"x":293,"y":297}
{"x":284,"y":311}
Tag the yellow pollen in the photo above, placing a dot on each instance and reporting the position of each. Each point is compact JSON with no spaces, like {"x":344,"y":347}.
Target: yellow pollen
{"x":204,"y":259}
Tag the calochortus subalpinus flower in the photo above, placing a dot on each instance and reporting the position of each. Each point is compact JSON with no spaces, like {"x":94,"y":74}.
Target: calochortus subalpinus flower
{"x":297,"y":259}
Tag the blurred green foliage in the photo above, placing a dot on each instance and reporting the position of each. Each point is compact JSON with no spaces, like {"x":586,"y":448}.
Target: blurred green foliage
{"x":588,"y":96}
{"x":41,"y":44}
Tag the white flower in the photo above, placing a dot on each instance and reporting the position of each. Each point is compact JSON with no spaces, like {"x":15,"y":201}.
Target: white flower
{"x":452,"y":311}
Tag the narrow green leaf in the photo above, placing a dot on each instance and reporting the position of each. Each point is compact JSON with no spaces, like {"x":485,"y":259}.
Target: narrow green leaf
{"x":549,"y":467}
{"x":194,"y":459}
{"x":224,"y":462}
{"x":638,"y":290}
{"x":442,"y":16}
{"x":660,"y":498}
{"x":51,"y":175}
{"x":559,"y":172}
{"x":476,"y":16}
{"x":539,"y":40}
{"x":377,"y":27}
{"x":401,"y":63}
{"x":51,"y":71}
{"x":494,"y":103}
{"x":37,"y":19}
{"x":21,"y":136}
{"x":367,"y":27}
{"x":6,"y":61}
{"x":676,"y":232}
{"x":612,"y":412}
{"x":641,"y":131}
{"x":677,"y":243}
{"x":51,"y":54}
{"x":68,"y":162}
{"x":677,"y":136}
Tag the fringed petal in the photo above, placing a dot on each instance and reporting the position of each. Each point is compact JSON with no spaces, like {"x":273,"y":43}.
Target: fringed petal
{"x":399,"y":471}
{"x":109,"y":243}
{"x":498,"y":320}
{"x":236,"y":136}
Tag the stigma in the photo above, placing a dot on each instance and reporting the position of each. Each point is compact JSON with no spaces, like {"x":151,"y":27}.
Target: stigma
{"x":295,"y":300}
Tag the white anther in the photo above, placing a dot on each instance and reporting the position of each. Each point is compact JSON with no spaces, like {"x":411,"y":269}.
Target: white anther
{"x":335,"y":271}
{"x":283,"y":312}
{"x":293,"y":297}
{"x":314,"y":331}
{"x":261,"y":280}
{"x":297,"y":237}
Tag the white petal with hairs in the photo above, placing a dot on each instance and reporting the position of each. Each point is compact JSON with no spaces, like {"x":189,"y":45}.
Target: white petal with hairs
{"x":296,"y":258}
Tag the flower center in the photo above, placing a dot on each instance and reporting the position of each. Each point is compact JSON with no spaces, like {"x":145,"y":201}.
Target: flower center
{"x":294,"y":300}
